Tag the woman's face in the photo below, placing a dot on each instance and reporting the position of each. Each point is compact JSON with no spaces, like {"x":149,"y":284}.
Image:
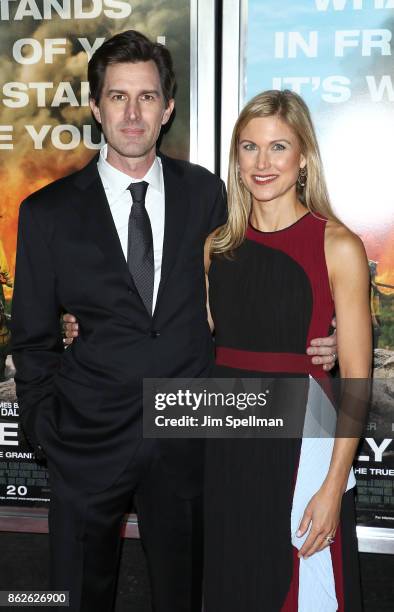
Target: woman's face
{"x":270,"y":158}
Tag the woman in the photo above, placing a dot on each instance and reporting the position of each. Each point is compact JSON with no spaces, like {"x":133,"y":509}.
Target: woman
{"x":277,"y":271}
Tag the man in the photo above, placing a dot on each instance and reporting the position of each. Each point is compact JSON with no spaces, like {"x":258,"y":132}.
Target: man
{"x":95,"y":244}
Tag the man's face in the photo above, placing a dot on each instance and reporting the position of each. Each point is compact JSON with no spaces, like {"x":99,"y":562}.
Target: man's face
{"x":132,"y":110}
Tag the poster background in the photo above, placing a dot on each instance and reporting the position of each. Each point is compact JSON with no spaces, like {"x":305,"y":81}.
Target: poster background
{"x":338,"y":54}
{"x":42,"y":91}
{"x":353,"y":115}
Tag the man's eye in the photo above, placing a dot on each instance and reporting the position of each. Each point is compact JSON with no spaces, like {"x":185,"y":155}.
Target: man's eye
{"x":278,"y":147}
{"x":147,"y":97}
{"x":119,"y":97}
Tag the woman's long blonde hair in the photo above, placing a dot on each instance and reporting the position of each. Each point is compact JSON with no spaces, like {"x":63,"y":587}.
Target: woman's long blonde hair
{"x":291,"y":108}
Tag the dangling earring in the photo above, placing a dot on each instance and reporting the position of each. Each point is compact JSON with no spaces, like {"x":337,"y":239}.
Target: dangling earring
{"x":302,"y":177}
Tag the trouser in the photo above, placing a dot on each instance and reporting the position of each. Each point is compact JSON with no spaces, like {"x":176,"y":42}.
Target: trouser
{"x":85,"y":538}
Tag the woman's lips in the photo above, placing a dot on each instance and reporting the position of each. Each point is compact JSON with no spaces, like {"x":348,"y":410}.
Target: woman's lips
{"x":264,"y":180}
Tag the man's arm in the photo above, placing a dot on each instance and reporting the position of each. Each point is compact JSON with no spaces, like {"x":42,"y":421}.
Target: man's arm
{"x":36,"y":334}
{"x":323,"y":351}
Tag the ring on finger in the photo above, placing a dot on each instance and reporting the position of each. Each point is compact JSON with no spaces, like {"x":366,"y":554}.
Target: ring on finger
{"x":330,"y":539}
{"x":334,"y":356}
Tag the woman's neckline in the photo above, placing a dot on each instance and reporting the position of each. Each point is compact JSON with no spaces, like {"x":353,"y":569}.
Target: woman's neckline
{"x":283,"y":228}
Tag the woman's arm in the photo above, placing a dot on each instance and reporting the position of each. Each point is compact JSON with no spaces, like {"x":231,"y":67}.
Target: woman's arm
{"x":349,"y":278}
{"x":350,"y":283}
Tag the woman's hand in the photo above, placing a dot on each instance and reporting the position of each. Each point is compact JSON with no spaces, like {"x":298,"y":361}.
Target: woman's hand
{"x":323,"y":511}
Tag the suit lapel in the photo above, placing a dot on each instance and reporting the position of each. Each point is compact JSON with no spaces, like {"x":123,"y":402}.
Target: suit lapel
{"x":97,"y":218}
{"x":177,"y":205}
{"x":100,"y":227}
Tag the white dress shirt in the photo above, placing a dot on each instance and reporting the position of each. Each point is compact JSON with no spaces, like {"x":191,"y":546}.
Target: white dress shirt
{"x":115,"y":183}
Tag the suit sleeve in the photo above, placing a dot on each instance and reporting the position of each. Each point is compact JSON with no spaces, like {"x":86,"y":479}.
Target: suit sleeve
{"x":35,"y":325}
{"x":218,"y":211}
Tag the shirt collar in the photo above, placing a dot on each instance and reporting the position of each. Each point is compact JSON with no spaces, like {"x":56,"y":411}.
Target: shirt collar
{"x":116,"y":182}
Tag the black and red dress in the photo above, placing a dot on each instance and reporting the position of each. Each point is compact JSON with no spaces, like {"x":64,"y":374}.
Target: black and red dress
{"x":267,"y":302}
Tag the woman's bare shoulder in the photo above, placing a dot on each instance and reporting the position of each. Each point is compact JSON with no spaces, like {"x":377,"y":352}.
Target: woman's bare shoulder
{"x":344,"y":249}
{"x":342,"y":240}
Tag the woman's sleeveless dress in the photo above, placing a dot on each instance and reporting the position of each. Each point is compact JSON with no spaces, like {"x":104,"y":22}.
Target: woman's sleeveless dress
{"x":267,"y":302}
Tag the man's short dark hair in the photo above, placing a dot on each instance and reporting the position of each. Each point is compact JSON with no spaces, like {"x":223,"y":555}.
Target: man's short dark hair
{"x":130,"y":46}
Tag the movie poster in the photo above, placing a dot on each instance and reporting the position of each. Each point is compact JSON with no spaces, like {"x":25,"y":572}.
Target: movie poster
{"x":338,"y":54}
{"x":46,"y":131}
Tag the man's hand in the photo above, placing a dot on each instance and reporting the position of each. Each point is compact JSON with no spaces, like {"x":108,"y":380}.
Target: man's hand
{"x":70,"y":328}
{"x":324,"y":350}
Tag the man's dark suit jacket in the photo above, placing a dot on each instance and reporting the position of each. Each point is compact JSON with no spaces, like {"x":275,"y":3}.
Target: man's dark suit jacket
{"x":84,"y":405}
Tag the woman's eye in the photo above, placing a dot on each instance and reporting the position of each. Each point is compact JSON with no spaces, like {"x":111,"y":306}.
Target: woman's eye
{"x":249,"y":146}
{"x":278,"y":147}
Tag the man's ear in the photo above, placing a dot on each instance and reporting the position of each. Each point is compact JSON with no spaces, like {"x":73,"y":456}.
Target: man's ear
{"x":95,"y":110}
{"x":168,"y":111}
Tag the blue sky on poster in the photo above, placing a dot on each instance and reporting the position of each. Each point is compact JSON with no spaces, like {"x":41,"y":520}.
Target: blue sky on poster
{"x":354,"y":131}
{"x":265,"y":18}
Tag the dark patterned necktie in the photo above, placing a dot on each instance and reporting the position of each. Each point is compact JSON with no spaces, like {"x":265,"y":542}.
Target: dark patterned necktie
{"x":140,"y":245}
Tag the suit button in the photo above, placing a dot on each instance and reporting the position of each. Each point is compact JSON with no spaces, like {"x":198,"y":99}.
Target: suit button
{"x":154,"y":334}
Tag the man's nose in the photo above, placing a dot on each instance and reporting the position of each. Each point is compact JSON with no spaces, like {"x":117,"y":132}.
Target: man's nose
{"x":133,"y":110}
